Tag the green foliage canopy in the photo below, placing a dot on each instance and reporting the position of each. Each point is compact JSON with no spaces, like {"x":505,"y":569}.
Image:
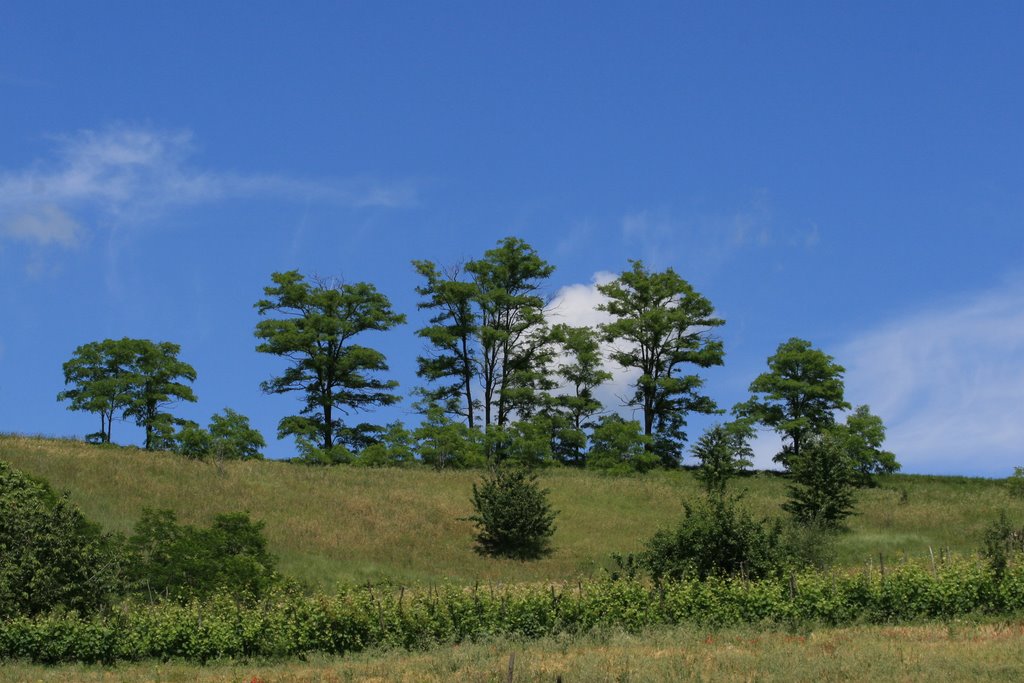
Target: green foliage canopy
{"x":512,"y":515}
{"x":619,"y":446}
{"x":139,"y":377}
{"x":315,"y":330}
{"x":50,"y":555}
{"x":823,"y":478}
{"x":661,"y":324}
{"x":723,"y":452}
{"x":798,"y":395}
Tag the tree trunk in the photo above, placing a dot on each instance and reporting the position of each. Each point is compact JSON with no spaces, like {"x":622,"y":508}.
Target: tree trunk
{"x":328,"y":435}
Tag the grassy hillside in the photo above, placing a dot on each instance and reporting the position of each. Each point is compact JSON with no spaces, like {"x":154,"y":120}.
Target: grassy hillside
{"x":342,"y":524}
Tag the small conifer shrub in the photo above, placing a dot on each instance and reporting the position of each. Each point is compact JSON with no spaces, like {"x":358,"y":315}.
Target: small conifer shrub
{"x":513,"y":516}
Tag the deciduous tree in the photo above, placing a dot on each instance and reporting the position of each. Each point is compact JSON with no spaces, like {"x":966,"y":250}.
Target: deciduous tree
{"x":488,"y":331}
{"x":97,"y":376}
{"x":156,"y":381}
{"x":581,"y":372}
{"x":724,"y":452}
{"x":138,"y":377}
{"x":865,"y":434}
{"x":661,"y":325}
{"x":822,"y":481}
{"x":798,"y":395}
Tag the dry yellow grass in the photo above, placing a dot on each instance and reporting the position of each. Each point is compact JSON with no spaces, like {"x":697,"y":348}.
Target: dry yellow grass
{"x":950,"y":652}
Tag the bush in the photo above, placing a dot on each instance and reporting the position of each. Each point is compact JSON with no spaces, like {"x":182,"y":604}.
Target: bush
{"x":229,"y":438}
{"x":193,"y":441}
{"x":1015,"y":483}
{"x":715,"y":538}
{"x":180,"y":561}
{"x":443,"y":443}
{"x":233,"y":439}
{"x":513,"y":516}
{"x":394,"y":449}
{"x":1002,"y":542}
{"x":50,"y":555}
{"x":618,"y":445}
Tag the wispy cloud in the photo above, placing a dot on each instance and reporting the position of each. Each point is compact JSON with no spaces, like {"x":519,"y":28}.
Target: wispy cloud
{"x":700,"y":241}
{"x":131,"y":174}
{"x":44,"y":225}
{"x":948,"y":382}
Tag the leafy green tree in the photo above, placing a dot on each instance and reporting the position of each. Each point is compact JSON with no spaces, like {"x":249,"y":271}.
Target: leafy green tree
{"x":511,"y":311}
{"x":316,"y":329}
{"x":97,"y":375}
{"x":192,"y":441}
{"x":724,"y":452}
{"x":232,"y":437}
{"x":50,"y":555}
{"x":1001,"y":543}
{"x":618,"y":445}
{"x":865,"y":434}
{"x":512,"y":515}
{"x":229,"y":437}
{"x":525,"y":443}
{"x":139,"y":377}
{"x":156,"y":381}
{"x":798,"y":395}
{"x":444,"y":443}
{"x":581,"y":372}
{"x":394,"y":448}
{"x":822,"y":478}
{"x":453,"y":334}
{"x":488,"y":346}
{"x":661,"y":325}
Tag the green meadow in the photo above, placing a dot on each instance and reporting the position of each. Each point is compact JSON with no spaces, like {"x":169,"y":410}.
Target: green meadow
{"x":345,"y":524}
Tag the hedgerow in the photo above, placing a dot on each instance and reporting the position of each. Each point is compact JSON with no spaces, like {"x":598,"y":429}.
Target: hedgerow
{"x":285,"y":622}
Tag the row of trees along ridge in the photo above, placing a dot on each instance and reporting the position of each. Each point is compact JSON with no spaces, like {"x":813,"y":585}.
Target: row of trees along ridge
{"x":500,"y":381}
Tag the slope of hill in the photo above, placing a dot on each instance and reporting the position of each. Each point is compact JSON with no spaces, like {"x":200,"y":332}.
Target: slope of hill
{"x":350,"y":524}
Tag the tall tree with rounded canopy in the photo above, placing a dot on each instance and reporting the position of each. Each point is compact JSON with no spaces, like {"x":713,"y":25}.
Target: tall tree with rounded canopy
{"x":315,"y":331}
{"x":661,"y":325}
{"x":137,"y":376}
{"x":154,"y":384}
{"x":798,"y":395}
{"x":96,"y":376}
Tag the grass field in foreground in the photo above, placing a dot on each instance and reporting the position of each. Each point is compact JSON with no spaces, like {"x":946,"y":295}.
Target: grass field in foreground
{"x":350,"y":524}
{"x":928,"y":652}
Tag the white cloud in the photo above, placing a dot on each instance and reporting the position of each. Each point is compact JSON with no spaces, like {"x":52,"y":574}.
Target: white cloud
{"x":131,"y":174}
{"x":576,"y":305}
{"x":44,"y":226}
{"x":949,"y":383}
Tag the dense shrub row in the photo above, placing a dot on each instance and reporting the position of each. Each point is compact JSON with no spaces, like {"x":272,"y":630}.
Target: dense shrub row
{"x":285,"y":623}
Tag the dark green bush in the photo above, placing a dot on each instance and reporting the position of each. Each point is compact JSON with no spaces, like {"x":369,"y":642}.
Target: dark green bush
{"x":513,"y":516}
{"x":50,"y":555}
{"x":180,"y":561}
{"x":716,"y":537}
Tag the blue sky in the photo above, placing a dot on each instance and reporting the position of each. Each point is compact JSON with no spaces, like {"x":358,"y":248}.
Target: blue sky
{"x":849,"y":173}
